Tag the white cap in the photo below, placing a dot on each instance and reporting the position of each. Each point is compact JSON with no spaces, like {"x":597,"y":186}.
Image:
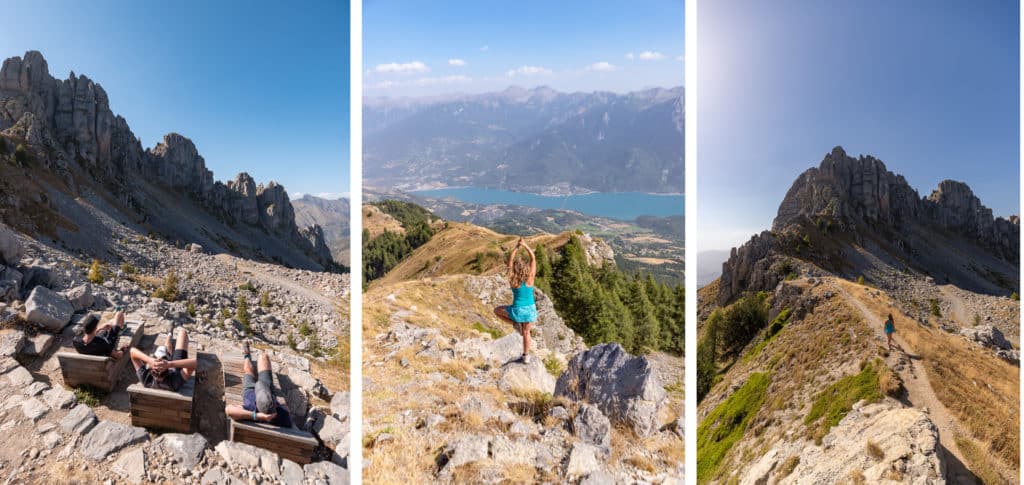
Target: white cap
{"x":161,"y":352}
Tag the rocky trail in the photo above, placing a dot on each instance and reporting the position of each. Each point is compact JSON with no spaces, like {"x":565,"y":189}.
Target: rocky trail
{"x":447,"y":402}
{"x":55,"y":433}
{"x":919,"y":392}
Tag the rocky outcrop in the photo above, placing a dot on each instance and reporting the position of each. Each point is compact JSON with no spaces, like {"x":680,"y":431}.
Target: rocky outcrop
{"x":954,"y":206}
{"x":72,"y":120}
{"x":876,"y":442}
{"x":624,"y":387}
{"x":749,"y":268}
{"x":315,"y":235}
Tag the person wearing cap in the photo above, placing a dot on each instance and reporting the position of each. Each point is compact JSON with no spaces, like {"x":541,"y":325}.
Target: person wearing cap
{"x":100,"y":339}
{"x":258,"y":401}
{"x":157,"y":372}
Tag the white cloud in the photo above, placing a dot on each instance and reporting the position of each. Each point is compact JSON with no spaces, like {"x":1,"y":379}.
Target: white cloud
{"x":629,"y":56}
{"x":456,"y":62}
{"x":408,"y":67}
{"x":528,"y":71}
{"x":485,"y":48}
{"x":601,"y":66}
{"x":434,"y":81}
{"x":651,"y":56}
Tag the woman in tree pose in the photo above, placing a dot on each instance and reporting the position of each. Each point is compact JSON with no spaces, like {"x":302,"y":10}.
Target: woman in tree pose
{"x":890,"y":328}
{"x":522,"y":313}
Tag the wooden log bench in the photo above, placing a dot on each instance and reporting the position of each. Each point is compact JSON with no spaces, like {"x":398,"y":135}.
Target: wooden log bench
{"x":291,"y":443}
{"x":98,"y":371}
{"x":162,"y":409}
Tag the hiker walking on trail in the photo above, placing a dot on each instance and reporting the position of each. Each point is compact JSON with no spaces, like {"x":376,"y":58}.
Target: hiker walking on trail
{"x":890,"y":328}
{"x":100,"y":339}
{"x":522,"y":313}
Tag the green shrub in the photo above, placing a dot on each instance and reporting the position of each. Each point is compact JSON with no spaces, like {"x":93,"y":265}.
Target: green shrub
{"x":860,"y":280}
{"x":128,"y":269}
{"x":833,"y":403}
{"x":291,"y":341}
{"x":553,"y":365}
{"x":265,"y":299}
{"x":21,"y":154}
{"x":493,"y":332}
{"x":1014,"y":296}
{"x":169,"y":290}
{"x":96,"y":272}
{"x":247,"y":287}
{"x":727,"y":423}
{"x":304,"y":329}
{"x":88,"y":395}
{"x":934,"y":303}
{"x":242,"y":313}
{"x":191,"y":309}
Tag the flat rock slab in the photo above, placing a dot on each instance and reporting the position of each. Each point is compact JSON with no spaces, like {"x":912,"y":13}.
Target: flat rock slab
{"x":582,"y":461}
{"x":291,"y":473}
{"x":240,"y":454}
{"x":108,"y":437}
{"x":78,"y":420}
{"x":131,"y":466}
{"x":11,"y":343}
{"x":34,"y":408}
{"x":36,"y":388}
{"x":38,"y":345}
{"x":219,"y":476}
{"x":184,"y":449}
{"x":326,"y":471}
{"x":516,"y":376}
{"x":19,"y":377}
{"x":59,"y":398}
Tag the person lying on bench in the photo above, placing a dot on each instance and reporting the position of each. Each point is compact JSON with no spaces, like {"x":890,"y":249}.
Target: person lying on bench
{"x":258,"y":401}
{"x":157,"y":372}
{"x":100,"y":339}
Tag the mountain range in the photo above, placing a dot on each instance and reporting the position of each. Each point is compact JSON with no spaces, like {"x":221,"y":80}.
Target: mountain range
{"x":528,"y":140}
{"x":330,"y":214}
{"x":69,"y":160}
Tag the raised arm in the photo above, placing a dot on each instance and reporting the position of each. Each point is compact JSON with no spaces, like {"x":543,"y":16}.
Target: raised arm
{"x":533,"y":265}
{"x":512,"y":255}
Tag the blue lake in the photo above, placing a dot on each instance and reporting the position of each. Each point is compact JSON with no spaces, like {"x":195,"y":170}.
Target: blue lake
{"x":616,"y":205}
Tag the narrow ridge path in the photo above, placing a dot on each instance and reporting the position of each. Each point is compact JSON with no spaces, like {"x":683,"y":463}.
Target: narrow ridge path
{"x":919,"y":392}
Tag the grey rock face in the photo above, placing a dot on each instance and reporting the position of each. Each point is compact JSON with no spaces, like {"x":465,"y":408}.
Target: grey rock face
{"x":526,"y":377}
{"x":108,"y":437}
{"x":80,"y":297}
{"x":240,"y":454}
{"x":185,"y":449}
{"x":583,"y":460}
{"x":591,"y":426}
{"x":177,"y":164}
{"x":48,"y":309}
{"x":330,"y":473}
{"x":465,"y":449}
{"x":987,"y":336}
{"x":623,"y":387}
{"x":131,"y":466}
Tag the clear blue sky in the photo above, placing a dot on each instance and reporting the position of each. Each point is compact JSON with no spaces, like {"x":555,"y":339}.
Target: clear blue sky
{"x":259,"y":86}
{"x":930,"y":88}
{"x":414,"y":48}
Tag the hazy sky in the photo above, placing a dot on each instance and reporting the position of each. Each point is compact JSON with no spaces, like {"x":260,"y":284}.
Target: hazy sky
{"x":415,"y":48}
{"x":259,"y":86}
{"x":930,"y":88}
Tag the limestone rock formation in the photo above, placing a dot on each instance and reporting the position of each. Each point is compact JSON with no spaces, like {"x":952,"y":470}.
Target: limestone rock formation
{"x":622,"y":386}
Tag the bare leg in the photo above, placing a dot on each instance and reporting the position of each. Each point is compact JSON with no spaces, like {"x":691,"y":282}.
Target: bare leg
{"x":169,"y":343}
{"x":502,"y":313}
{"x":526,"y":337}
{"x":182,"y":344}
{"x":247,"y":367}
{"x":264,"y":363}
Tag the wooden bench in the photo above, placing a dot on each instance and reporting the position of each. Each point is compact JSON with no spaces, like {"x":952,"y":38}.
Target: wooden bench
{"x":160,"y":409}
{"x":98,"y":371}
{"x":291,"y":443}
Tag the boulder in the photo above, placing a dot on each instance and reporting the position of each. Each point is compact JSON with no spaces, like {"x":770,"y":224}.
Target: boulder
{"x":11,"y":343}
{"x":80,"y":297}
{"x":34,"y":409}
{"x":328,"y":472}
{"x":591,"y":426}
{"x":131,"y":466}
{"x":240,"y":455}
{"x":38,"y":345}
{"x":48,"y":309}
{"x":465,"y":449}
{"x":59,"y":398}
{"x":624,"y":387}
{"x":11,"y":249}
{"x":291,"y":473}
{"x":184,"y":449}
{"x":526,"y":377}
{"x":582,"y":461}
{"x":19,"y":377}
{"x":331,"y":430}
{"x":108,"y":437}
{"x":987,"y":336}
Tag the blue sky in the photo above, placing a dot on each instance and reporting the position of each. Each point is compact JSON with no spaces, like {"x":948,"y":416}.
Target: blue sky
{"x":415,"y":48}
{"x":930,"y":88}
{"x":258,"y":86}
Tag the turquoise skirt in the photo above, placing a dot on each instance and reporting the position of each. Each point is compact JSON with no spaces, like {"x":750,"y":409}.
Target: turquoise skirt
{"x":522,"y":314}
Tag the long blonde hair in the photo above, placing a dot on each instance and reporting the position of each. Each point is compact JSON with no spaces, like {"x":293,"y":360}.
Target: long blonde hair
{"x":519,"y":273}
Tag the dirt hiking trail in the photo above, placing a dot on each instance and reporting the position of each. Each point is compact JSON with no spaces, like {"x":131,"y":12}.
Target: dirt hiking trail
{"x":919,"y":393}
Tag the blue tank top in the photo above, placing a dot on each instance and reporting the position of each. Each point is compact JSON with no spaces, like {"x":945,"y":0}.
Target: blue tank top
{"x":522,"y":296}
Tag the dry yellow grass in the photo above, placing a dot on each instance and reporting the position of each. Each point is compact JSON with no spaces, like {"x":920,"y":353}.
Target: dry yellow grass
{"x":978,"y":388}
{"x":376,"y":221}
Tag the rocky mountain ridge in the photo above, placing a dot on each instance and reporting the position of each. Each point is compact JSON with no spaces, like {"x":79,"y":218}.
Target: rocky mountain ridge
{"x":71,"y":132}
{"x":854,"y":217}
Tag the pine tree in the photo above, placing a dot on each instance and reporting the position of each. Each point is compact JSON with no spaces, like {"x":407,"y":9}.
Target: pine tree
{"x":647,"y":328}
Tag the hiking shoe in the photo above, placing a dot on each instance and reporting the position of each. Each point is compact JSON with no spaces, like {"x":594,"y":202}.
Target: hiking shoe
{"x":525,"y":359}
{"x":245,"y":350}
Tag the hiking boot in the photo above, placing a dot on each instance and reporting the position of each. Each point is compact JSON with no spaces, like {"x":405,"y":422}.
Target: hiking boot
{"x":245,"y":350}
{"x":525,"y":359}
